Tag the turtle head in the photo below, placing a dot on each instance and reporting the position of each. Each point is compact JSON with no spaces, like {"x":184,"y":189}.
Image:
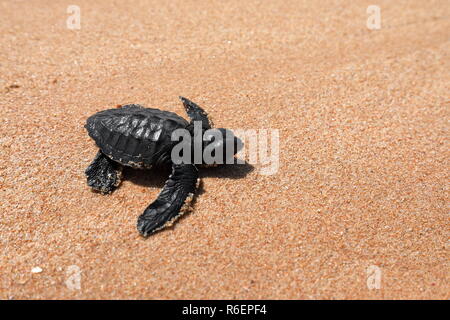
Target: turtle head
{"x":220,"y":146}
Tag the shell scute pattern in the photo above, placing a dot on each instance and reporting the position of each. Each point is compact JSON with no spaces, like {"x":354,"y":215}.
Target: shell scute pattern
{"x":133,"y":135}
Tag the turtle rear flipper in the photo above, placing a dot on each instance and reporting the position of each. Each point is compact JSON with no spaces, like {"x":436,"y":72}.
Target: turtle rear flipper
{"x":103,"y":174}
{"x":173,"y":201}
{"x":196,"y":113}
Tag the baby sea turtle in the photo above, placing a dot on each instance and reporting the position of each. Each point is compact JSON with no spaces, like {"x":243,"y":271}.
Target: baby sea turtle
{"x":141,"y":137}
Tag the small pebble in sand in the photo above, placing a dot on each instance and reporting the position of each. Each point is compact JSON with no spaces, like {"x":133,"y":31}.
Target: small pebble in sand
{"x":36,"y":270}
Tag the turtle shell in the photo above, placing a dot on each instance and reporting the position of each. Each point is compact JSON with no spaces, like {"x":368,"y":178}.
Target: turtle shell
{"x":133,"y":135}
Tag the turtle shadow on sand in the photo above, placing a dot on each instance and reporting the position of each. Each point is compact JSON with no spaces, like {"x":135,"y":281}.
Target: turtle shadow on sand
{"x":227,"y":171}
{"x":156,"y":177}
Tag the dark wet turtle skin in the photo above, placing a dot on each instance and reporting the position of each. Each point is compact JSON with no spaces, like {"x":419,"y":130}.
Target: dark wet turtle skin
{"x":133,"y":135}
{"x":141,"y":138}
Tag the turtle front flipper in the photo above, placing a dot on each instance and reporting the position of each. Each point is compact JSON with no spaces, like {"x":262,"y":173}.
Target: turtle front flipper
{"x":173,"y":201}
{"x":103,"y":174}
{"x":196,"y":113}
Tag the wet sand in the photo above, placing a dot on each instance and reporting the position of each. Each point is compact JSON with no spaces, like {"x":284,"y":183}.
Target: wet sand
{"x":362,"y":185}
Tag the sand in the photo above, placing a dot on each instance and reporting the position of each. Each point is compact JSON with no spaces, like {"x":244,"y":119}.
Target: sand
{"x":362,"y":189}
